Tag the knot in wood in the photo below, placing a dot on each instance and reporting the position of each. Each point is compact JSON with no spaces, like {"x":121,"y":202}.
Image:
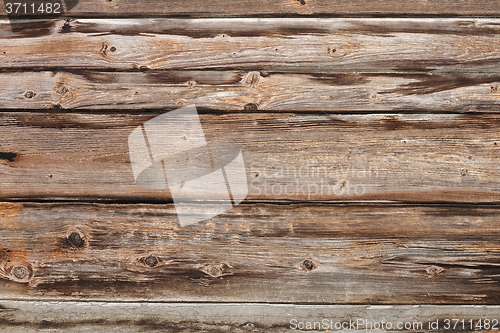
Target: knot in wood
{"x":75,"y":240}
{"x":251,"y":78}
{"x":62,"y":90}
{"x":373,"y":97}
{"x":308,"y":265}
{"x":213,"y":270}
{"x":20,"y":272}
{"x":251,"y":107}
{"x":216,"y":270}
{"x":29,"y":94}
{"x":248,"y":326}
{"x":434,"y":270}
{"x":151,"y":261}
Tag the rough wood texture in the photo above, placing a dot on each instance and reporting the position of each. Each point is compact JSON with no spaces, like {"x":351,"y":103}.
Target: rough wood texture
{"x":251,"y":91}
{"x":288,"y":156}
{"x":382,"y":254}
{"x":280,"y":8}
{"x":306,"y":45}
{"x":216,"y":317}
{"x":321,"y":224}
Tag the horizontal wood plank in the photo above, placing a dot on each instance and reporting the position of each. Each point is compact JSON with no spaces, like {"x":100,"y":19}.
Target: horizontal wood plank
{"x":250,"y":91}
{"x":283,"y":45}
{"x":30,"y":316}
{"x":307,"y":253}
{"x":219,"y":8}
{"x":288,"y":156}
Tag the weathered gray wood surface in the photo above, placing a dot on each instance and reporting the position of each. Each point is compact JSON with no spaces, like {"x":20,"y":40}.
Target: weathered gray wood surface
{"x":250,"y":91}
{"x":306,"y":253}
{"x":321,"y":224}
{"x":307,"y":45}
{"x":26,"y":316}
{"x":425,"y":158}
{"x":263,"y":8}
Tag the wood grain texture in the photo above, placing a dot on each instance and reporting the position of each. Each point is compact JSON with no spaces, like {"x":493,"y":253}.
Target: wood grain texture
{"x":288,"y":156}
{"x":307,"y":253}
{"x":29,"y":316}
{"x":291,"y":45}
{"x":250,"y":91}
{"x":280,"y":8}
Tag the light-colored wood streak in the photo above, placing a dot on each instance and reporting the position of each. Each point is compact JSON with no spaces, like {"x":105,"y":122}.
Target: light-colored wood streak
{"x":288,"y":156}
{"x":254,"y":253}
{"x":111,"y":317}
{"x":251,"y":91}
{"x":305,"y":45}
{"x":219,"y":8}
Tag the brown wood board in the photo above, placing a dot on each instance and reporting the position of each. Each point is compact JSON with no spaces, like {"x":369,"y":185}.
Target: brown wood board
{"x":329,"y":254}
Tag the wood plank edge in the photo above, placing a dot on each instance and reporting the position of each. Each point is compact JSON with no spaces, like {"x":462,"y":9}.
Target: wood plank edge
{"x":30,"y":316}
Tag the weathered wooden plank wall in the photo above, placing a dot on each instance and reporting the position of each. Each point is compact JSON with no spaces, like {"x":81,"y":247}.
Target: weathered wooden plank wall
{"x":371,"y":134}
